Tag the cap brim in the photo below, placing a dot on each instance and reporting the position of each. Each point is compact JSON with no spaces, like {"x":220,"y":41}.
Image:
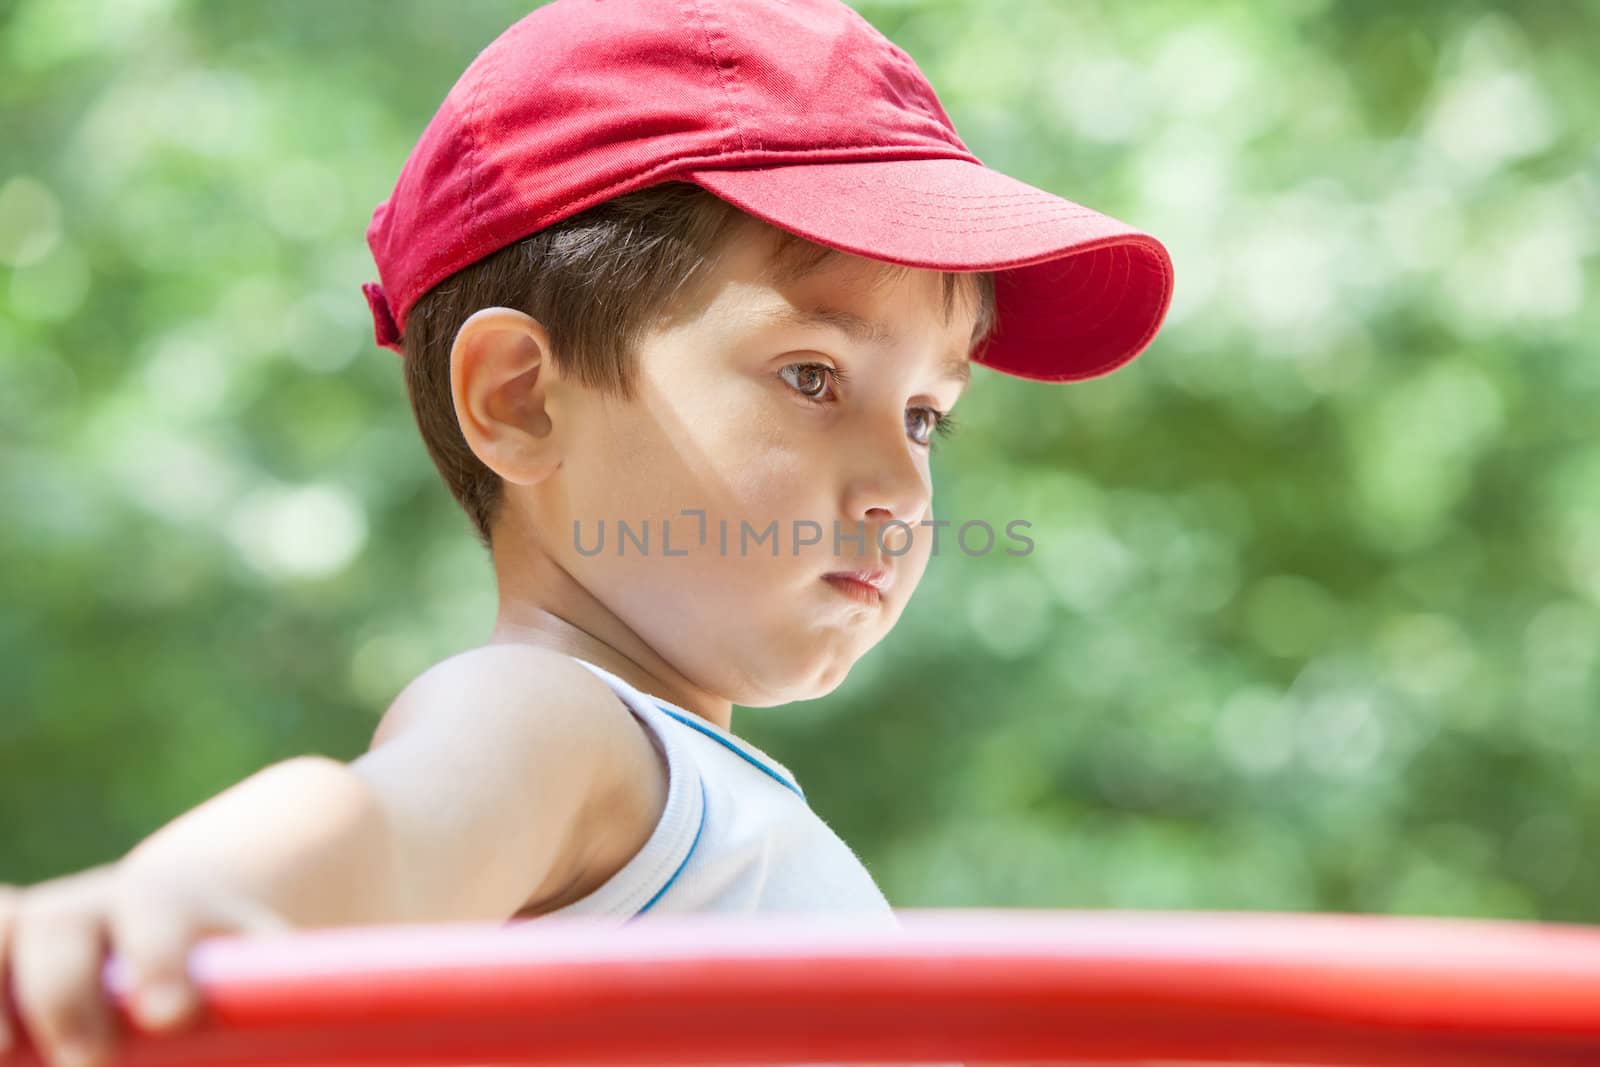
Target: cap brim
{"x":1077,"y":292}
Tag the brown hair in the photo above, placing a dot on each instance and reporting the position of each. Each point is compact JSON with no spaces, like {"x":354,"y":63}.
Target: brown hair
{"x":598,"y":282}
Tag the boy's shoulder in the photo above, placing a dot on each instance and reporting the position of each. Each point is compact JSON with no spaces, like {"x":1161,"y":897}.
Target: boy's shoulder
{"x":545,"y":685}
{"x":526,"y":711}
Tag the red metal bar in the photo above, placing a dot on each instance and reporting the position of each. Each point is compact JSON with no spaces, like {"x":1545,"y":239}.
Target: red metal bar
{"x":974,"y":986}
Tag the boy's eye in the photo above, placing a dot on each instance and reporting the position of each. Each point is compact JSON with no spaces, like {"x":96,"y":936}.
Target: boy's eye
{"x":810,"y":379}
{"x":942,"y":423}
{"x":920,"y":423}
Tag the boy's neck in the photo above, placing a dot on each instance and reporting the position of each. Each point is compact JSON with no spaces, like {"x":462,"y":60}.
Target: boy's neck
{"x":541,"y":604}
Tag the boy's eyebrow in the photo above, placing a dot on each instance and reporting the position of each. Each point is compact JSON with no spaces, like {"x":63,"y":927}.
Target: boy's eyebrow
{"x":860,"y":330}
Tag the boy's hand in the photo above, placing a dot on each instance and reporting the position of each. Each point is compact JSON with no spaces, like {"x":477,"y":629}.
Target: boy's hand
{"x":55,"y":938}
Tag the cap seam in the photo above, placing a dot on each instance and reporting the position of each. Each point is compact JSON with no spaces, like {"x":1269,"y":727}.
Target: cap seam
{"x":475,"y":144}
{"x":732,"y":111}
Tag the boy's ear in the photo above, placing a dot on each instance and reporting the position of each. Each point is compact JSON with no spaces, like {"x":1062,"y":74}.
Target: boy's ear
{"x":500,"y":378}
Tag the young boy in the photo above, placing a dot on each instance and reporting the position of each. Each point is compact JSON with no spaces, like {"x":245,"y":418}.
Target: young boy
{"x":683,"y":290}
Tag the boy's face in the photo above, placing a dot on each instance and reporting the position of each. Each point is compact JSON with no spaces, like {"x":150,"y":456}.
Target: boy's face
{"x":721,"y":423}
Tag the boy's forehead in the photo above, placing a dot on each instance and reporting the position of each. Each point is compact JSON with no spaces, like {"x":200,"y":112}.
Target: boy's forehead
{"x":755,"y":285}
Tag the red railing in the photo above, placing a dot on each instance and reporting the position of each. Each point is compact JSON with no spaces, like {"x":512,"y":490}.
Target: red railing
{"x":950,"y":986}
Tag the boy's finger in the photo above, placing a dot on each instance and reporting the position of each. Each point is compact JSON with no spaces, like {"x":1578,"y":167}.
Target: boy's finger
{"x":10,"y":899}
{"x":154,"y":946}
{"x":58,"y":952}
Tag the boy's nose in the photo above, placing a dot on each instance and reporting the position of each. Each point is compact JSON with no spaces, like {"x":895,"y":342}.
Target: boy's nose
{"x":887,"y":487}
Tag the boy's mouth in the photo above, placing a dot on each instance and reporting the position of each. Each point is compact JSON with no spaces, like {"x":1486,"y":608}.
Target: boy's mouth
{"x":867,"y":586}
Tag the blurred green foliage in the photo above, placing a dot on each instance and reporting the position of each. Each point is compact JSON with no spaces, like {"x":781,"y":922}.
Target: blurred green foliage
{"x":1314,"y":613}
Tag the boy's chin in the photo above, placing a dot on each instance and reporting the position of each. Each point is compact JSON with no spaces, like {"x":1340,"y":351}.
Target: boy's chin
{"x":802,"y":678}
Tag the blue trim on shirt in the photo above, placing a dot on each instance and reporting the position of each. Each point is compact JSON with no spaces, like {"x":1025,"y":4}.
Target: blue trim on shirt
{"x":725,"y":743}
{"x":686,"y":855}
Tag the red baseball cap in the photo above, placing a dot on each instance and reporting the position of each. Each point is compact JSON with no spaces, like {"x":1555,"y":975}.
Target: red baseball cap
{"x":800,"y":113}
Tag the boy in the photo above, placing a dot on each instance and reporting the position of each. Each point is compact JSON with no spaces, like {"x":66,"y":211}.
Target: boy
{"x":714,"y":270}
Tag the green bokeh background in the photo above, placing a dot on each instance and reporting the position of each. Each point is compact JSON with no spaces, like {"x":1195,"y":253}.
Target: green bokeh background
{"x":1313,"y":617}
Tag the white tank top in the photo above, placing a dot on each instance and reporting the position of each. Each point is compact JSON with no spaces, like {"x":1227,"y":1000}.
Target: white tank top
{"x":737,"y":833}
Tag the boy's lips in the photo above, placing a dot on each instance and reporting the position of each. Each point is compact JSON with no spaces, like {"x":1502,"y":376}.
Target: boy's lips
{"x":880,"y":578}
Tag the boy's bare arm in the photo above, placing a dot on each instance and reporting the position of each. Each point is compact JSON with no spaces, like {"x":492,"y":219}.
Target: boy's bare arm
{"x":304,"y":838}
{"x":496,"y":779}
{"x":487,"y":786}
